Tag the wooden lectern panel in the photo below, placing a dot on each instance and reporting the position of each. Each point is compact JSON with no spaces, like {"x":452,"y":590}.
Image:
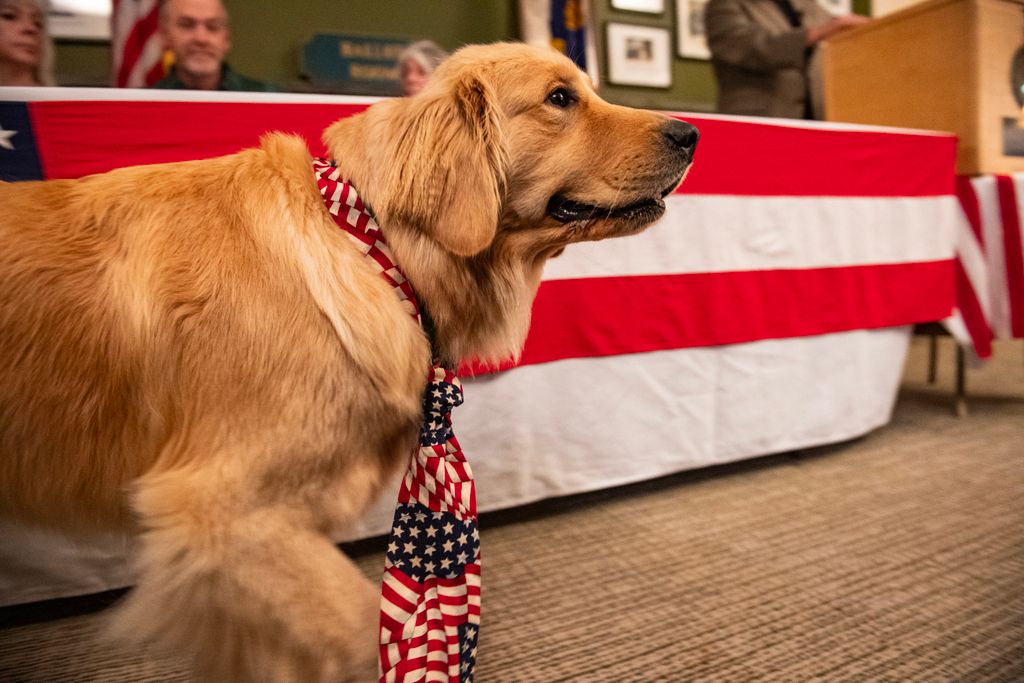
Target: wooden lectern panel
{"x":1000,"y":136}
{"x":879,"y":8}
{"x":938,"y":65}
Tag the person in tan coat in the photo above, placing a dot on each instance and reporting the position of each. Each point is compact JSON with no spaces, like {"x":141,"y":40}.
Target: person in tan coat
{"x":764,"y":55}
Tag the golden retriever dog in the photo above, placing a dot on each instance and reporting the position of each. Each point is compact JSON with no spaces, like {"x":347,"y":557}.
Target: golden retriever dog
{"x":196,"y":353}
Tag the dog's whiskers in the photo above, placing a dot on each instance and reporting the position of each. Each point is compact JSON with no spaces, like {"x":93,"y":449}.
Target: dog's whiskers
{"x":615,"y":200}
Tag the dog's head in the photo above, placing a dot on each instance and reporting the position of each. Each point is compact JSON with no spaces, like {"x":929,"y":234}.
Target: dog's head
{"x":512,"y":140}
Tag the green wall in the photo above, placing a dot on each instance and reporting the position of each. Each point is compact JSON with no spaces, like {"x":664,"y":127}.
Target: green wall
{"x":268,"y":35}
{"x":83,"y":63}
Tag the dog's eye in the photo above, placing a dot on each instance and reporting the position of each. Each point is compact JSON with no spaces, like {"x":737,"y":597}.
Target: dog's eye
{"x":560,"y":97}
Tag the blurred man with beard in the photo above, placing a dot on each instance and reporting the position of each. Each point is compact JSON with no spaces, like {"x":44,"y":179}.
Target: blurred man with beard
{"x":198,"y":34}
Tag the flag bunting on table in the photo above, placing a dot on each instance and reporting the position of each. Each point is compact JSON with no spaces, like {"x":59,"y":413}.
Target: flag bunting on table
{"x":989,"y":262}
{"x":846,"y":212}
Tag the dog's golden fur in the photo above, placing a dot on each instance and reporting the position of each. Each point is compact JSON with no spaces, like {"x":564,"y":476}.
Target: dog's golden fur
{"x":195,"y":352}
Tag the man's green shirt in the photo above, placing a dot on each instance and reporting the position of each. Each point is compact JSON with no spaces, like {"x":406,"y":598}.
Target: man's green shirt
{"x":229,"y":80}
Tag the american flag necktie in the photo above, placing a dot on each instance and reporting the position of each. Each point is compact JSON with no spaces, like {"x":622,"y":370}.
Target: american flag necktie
{"x":430,"y":597}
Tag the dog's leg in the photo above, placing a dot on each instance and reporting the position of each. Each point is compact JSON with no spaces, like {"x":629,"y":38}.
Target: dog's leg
{"x":254,"y":591}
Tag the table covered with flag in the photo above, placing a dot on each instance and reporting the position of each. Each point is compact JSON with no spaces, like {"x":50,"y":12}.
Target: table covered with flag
{"x":770,"y":309}
{"x":989,"y":263}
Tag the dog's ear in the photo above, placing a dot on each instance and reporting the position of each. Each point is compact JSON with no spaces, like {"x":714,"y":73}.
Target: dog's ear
{"x":449,"y":164}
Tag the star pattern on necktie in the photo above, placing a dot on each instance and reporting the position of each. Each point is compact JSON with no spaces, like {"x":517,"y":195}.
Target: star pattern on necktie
{"x":468,"y":634}
{"x":441,"y":396}
{"x":424,"y":543}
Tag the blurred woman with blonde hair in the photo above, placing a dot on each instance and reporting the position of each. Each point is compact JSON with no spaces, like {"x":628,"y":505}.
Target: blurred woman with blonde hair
{"x":26,"y":50}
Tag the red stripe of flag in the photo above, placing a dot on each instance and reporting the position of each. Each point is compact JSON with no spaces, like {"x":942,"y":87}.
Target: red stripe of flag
{"x":422,"y":495}
{"x":734,"y":157}
{"x":427,"y":474}
{"x":472,"y":568}
{"x":407,"y":290}
{"x":368,"y":240}
{"x":745,"y":158}
{"x":363,"y":218}
{"x":437,"y":664}
{"x":409,"y":583}
{"x":397,"y":599}
{"x":966,"y":298}
{"x":393,"y":628}
{"x":142,"y":30}
{"x":408,"y":490}
{"x":972,"y":314}
{"x":1013,"y":252}
{"x":384,"y":262}
{"x":453,"y":599}
{"x":969,"y":203}
{"x":432,"y":624}
{"x":409,"y":667}
{"x":155,"y":73}
{"x":607,"y":316}
{"x":456,"y":467}
{"x":77,"y":138}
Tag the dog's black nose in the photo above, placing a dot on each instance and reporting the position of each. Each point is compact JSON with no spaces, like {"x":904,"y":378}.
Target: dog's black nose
{"x":681,"y":136}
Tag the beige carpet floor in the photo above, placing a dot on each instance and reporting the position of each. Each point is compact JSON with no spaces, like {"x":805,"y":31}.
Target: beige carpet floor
{"x":895,"y":557}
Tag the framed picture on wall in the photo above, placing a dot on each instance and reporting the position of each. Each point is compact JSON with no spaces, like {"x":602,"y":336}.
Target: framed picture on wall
{"x":690,"y":39}
{"x":837,"y":7}
{"x":639,"y":55}
{"x":649,"y":6}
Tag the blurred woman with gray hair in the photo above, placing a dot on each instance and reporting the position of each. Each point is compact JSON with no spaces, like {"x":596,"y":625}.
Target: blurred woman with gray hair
{"x":26,"y":51}
{"x":417,"y":62}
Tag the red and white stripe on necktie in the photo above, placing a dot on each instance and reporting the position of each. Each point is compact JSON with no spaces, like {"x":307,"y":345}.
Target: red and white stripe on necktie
{"x":430,"y":594}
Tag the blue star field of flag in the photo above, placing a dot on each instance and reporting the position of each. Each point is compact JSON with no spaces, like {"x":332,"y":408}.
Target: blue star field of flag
{"x":19,"y":158}
{"x":425,"y":543}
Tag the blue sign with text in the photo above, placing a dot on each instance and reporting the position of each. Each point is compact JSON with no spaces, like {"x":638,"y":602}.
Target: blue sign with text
{"x":363,"y":65}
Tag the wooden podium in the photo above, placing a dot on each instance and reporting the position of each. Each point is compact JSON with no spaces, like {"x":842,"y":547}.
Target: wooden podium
{"x":940,"y":65}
